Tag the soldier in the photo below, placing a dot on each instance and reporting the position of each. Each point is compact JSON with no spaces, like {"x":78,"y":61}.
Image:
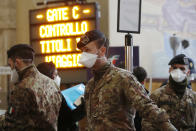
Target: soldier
{"x":49,"y":69}
{"x":141,"y":74}
{"x":192,"y":71}
{"x":35,"y":99}
{"x":190,"y":76}
{"x":178,"y":100}
{"x":113,"y":92}
{"x":67,"y":118}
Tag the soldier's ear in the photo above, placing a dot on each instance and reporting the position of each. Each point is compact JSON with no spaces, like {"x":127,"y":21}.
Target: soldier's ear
{"x":17,"y":61}
{"x":188,"y":72}
{"x":170,"y":69}
{"x":103,"y":50}
{"x":53,"y":76}
{"x":19,"y":64}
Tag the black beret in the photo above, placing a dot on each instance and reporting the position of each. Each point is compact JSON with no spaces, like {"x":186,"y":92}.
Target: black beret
{"x":90,"y":36}
{"x":191,"y":65}
{"x":179,"y":59}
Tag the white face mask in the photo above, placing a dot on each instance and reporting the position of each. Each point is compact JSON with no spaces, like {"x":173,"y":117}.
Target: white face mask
{"x":14,"y":76}
{"x":57,"y":80}
{"x":88,"y":59}
{"x":178,"y":75}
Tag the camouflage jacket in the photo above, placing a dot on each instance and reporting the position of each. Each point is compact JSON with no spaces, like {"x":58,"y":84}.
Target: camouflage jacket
{"x":110,"y":101}
{"x":34,"y":103}
{"x":182,"y":112}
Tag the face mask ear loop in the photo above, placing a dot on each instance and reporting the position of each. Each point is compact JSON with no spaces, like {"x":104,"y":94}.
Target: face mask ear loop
{"x":14,"y":60}
{"x":14,"y":65}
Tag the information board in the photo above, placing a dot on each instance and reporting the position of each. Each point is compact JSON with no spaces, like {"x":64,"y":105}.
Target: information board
{"x":55,"y":31}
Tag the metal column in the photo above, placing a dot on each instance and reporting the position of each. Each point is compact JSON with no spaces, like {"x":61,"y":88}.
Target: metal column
{"x":129,"y":52}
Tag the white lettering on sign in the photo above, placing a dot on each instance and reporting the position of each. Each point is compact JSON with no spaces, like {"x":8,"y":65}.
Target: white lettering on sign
{"x":5,"y":70}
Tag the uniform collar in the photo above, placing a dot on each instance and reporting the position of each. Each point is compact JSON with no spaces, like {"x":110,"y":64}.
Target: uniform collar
{"x":26,"y":71}
{"x":101,"y":71}
{"x":171,"y":92}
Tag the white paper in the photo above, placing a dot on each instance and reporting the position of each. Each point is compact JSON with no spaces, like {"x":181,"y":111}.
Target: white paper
{"x":129,"y":15}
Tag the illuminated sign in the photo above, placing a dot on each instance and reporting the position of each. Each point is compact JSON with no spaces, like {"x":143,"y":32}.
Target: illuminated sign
{"x":54,"y":32}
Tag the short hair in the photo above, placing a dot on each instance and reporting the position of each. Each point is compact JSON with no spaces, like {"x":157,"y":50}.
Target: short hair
{"x":140,"y":73}
{"x":47,"y":68}
{"x":103,"y":42}
{"x":22,"y":51}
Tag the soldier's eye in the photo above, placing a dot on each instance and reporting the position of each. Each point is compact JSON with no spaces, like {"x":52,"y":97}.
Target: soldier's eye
{"x":174,"y":67}
{"x":86,"y":50}
{"x":182,"y":68}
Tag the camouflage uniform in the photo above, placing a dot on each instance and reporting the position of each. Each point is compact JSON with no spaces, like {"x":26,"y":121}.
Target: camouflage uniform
{"x":182,"y":111}
{"x":112,"y":96}
{"x":34,"y":103}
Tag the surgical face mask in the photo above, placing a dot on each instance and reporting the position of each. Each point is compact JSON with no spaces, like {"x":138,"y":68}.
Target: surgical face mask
{"x":178,"y":75}
{"x":57,"y":80}
{"x":88,"y":59}
{"x":14,"y":76}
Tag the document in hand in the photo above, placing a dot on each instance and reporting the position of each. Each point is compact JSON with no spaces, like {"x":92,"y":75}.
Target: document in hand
{"x":72,"y":94}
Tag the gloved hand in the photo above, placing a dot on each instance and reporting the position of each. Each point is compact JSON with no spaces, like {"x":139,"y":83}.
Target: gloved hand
{"x":80,"y":110}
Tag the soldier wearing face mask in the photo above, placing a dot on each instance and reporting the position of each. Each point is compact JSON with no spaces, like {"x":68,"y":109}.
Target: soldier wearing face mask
{"x":35,"y":99}
{"x":113,"y":92}
{"x":49,"y":69}
{"x":178,"y":100}
{"x":67,"y":118}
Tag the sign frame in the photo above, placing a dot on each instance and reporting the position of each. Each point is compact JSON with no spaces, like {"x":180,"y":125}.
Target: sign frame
{"x":33,"y":25}
{"x":118,"y":19}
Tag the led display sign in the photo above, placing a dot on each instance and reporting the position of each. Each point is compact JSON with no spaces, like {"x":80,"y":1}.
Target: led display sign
{"x":55,"y":31}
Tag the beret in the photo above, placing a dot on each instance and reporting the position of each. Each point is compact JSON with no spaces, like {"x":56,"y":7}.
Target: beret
{"x":90,"y":36}
{"x":179,"y":59}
